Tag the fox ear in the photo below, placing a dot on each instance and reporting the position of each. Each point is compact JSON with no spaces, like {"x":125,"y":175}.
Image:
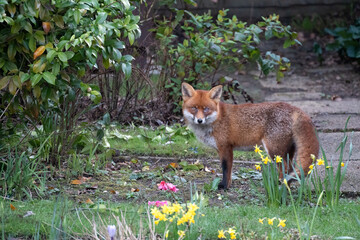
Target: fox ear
{"x":215,"y":93}
{"x":187,"y":91}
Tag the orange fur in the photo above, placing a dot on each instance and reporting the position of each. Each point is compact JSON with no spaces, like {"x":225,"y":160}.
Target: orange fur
{"x":282,"y":129}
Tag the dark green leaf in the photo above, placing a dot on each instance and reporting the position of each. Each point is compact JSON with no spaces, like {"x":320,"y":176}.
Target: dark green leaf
{"x":35,"y":79}
{"x":49,"y":77}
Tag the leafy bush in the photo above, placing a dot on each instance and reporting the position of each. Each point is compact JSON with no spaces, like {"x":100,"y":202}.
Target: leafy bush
{"x":207,"y":45}
{"x":347,"y":40}
{"x":49,"y":51}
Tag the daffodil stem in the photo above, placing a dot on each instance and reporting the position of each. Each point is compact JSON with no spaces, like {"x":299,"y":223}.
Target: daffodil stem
{"x":313,"y":219}
{"x":296,"y":216}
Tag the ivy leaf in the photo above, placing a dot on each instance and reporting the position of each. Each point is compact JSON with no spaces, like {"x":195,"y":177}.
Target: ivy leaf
{"x":49,"y":77}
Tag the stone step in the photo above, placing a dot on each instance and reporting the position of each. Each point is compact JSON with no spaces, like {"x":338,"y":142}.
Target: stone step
{"x":331,"y":141}
{"x":345,"y":106}
{"x":293,"y":96}
{"x":350,"y":183}
{"x":336,"y":123}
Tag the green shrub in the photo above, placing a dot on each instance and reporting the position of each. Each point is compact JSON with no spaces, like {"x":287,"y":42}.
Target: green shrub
{"x":211,"y":44}
{"x":347,"y":40}
{"x":48,"y":53}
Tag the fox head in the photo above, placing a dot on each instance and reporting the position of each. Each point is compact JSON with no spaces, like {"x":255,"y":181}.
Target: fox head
{"x":200,"y":107}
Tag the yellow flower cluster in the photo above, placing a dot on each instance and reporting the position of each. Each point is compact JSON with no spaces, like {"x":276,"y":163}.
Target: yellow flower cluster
{"x":271,"y":221}
{"x":230,"y":231}
{"x":319,"y":162}
{"x":265,"y":159}
{"x":174,"y":211}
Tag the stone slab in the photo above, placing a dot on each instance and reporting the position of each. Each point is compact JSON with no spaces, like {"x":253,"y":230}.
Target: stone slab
{"x":345,"y":106}
{"x":351,"y":179}
{"x":331,"y":141}
{"x":334,"y":122}
{"x":293,"y":96}
{"x":293,"y":82}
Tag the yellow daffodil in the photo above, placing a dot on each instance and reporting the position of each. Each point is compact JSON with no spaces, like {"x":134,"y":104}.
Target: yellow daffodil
{"x":258,"y":167}
{"x":177,"y":207}
{"x":167,"y":234}
{"x":311,"y":168}
{"x":342,"y":164}
{"x":320,"y":162}
{"x":278,"y":159}
{"x":271,"y":221}
{"x":221,"y":234}
{"x":181,"y":233}
{"x":156,"y":222}
{"x":257,"y":149}
{"x":266,"y":160}
{"x":233,"y":236}
{"x":261,"y":220}
{"x":312,"y":157}
{"x":281,"y":223}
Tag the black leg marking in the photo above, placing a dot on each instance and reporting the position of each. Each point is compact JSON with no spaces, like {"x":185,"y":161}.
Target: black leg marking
{"x":224,"y":183}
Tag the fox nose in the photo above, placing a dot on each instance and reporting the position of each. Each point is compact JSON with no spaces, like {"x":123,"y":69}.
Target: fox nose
{"x":200,"y":120}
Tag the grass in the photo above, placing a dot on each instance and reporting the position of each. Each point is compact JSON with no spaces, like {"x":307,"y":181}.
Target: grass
{"x":175,"y":141}
{"x":329,"y":224}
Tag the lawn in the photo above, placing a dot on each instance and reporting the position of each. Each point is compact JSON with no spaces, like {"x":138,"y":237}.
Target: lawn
{"x":73,"y":205}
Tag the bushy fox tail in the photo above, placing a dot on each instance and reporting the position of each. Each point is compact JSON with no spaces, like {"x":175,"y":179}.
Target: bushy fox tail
{"x":306,"y":143}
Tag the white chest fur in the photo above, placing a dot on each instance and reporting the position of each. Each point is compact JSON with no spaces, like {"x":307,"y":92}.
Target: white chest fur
{"x":204,"y":134}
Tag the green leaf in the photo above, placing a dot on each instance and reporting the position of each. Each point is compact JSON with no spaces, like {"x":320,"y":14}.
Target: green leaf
{"x":4,"y":82}
{"x":49,"y":77}
{"x":39,"y":36}
{"x":59,"y":21}
{"x":117,"y":55}
{"x":56,"y":69}
{"x":63,"y":57}
{"x":50,"y":55}
{"x":126,"y":4}
{"x":27,"y":26}
{"x":24,"y":77}
{"x":35,"y":79}
{"x":131,"y":38}
{"x":101,"y":18}
{"x":126,"y":68}
{"x":77,"y":16}
{"x":32,"y":44}
{"x":11,"y":50}
{"x":69,"y":54}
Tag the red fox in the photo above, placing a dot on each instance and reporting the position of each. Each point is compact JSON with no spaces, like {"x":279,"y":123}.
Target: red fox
{"x":282,"y":129}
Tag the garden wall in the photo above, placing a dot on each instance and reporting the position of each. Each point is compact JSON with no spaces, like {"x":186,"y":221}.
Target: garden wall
{"x":257,"y":8}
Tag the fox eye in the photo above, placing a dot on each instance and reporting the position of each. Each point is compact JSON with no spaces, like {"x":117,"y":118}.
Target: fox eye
{"x":194,"y":109}
{"x":206,"y":109}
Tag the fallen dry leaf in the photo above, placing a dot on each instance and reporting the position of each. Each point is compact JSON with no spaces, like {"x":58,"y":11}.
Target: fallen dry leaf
{"x":12,"y":207}
{"x":76,"y":182}
{"x":112,"y":192}
{"x":174,"y":165}
{"x":88,"y":201}
{"x":135,"y":190}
